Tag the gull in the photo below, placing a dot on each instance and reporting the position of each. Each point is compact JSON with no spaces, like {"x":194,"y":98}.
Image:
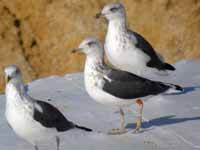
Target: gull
{"x":114,"y":87}
{"x":128,"y":50}
{"x":32,"y":120}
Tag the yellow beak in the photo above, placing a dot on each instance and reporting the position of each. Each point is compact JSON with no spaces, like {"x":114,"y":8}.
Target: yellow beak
{"x":76,"y":50}
{"x":98,"y":15}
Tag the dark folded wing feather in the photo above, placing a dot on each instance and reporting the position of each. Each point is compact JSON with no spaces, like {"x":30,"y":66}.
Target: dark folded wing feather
{"x":51,"y":117}
{"x":129,"y":86}
{"x":145,"y":46}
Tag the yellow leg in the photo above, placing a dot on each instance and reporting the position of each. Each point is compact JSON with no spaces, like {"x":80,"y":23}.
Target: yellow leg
{"x":57,"y":143}
{"x":122,"y":121}
{"x":139,"y":117}
{"x":122,"y":129}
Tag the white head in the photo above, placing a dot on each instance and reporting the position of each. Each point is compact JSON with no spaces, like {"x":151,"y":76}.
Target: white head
{"x":91,"y":47}
{"x":112,"y":11}
{"x":12,"y":73}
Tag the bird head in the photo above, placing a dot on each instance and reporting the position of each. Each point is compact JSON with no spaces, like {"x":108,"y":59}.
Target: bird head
{"x":112,"y":11}
{"x":12,"y":73}
{"x":90,"y":46}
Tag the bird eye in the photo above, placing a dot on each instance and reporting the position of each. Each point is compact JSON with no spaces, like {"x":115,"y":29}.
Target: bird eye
{"x":114,"y":9}
{"x":91,"y":43}
{"x":17,"y":71}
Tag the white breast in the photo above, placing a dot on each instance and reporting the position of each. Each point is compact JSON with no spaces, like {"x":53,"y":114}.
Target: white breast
{"x":93,"y":85}
{"x":20,"y":118}
{"x":122,"y":53}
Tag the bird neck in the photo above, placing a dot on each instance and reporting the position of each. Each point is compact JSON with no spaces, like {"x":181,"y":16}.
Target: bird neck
{"x":93,"y":63}
{"x":117,"y":25}
{"x":15,"y":90}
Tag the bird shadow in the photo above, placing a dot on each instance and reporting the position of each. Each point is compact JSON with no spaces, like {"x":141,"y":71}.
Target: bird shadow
{"x":185,"y":90}
{"x":162,"y":121}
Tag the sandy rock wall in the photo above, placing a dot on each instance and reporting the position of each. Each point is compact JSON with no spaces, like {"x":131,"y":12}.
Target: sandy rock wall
{"x":39,"y":34}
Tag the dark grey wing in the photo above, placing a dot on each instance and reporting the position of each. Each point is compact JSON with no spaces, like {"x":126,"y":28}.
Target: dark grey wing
{"x":129,"y":86}
{"x":50,"y":117}
{"x":155,"y":61}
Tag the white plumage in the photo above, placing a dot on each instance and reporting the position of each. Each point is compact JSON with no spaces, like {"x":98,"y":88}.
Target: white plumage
{"x":127,"y":50}
{"x":19,"y":114}
{"x":33,"y":120}
{"x":121,"y":50}
{"x":94,"y":81}
{"x":114,"y":87}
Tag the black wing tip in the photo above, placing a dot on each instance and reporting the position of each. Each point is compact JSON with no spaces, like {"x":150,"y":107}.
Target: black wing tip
{"x":83,"y":128}
{"x":169,"y":67}
{"x":177,"y":87}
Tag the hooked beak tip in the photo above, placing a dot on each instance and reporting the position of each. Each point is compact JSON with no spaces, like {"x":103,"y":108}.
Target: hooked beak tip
{"x":73,"y":51}
{"x":76,"y":50}
{"x":98,"y":15}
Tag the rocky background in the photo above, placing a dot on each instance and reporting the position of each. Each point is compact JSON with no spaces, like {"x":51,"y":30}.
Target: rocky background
{"x":38,"y":35}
